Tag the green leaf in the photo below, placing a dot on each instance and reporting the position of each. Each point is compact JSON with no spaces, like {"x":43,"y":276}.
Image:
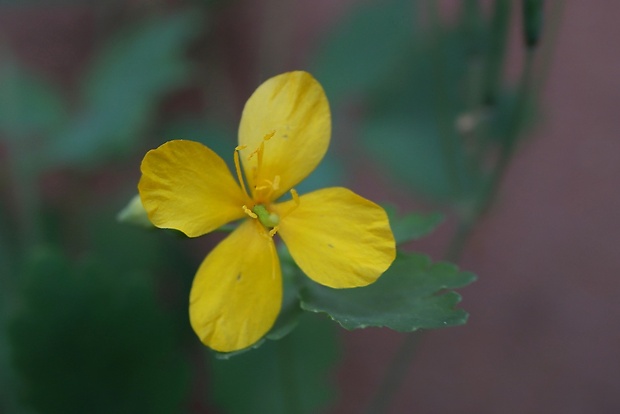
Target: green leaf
{"x":412,"y":226}
{"x":411,"y":151}
{"x":218,"y":136}
{"x":28,"y":104}
{"x":91,"y":338}
{"x":126,"y":84}
{"x":282,"y":377}
{"x":409,"y":296}
{"x":365,"y":48}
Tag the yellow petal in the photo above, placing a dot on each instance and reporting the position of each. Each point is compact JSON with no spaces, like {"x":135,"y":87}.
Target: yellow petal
{"x":293,"y":105}
{"x":337,"y":238}
{"x":237,"y":292}
{"x":188,"y":187}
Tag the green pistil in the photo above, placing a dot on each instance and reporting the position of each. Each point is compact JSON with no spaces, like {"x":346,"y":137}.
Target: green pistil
{"x":266,"y":218}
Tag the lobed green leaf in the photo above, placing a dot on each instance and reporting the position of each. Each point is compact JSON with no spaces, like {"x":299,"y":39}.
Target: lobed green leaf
{"x":410,"y":295}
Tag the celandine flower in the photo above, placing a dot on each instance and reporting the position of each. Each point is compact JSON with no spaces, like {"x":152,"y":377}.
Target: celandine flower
{"x":336,"y":237}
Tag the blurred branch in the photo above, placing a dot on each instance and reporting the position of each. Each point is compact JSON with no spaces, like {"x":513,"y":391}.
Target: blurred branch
{"x":500,"y":22}
{"x":443,"y":110}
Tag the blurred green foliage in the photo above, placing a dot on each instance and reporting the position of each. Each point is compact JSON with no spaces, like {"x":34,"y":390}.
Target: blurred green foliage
{"x":366,"y":49}
{"x":290,"y":375}
{"x":412,"y":226}
{"x":122,"y":90}
{"x":90,"y":337}
{"x":96,"y":312}
{"x":28,"y":104}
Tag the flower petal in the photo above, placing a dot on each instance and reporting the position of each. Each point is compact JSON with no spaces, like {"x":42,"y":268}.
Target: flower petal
{"x":293,"y":105}
{"x":188,"y":187}
{"x":237,"y":292}
{"x":337,"y":238}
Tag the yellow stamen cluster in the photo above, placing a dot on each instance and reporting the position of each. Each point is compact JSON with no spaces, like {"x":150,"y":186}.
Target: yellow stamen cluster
{"x":259,"y":210}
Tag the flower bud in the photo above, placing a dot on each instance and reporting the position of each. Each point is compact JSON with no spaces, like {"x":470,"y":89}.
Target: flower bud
{"x":134,"y":213}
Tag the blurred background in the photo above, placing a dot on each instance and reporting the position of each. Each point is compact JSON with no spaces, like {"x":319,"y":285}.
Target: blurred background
{"x":437,"y":106}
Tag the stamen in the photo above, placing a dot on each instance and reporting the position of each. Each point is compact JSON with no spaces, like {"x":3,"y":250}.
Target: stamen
{"x":259,"y":151}
{"x":268,"y":185}
{"x":295,"y":200}
{"x":261,"y":230}
{"x":249,"y":212}
{"x":274,"y":259}
{"x":273,"y":231}
{"x":295,"y":197}
{"x":259,"y":154}
{"x":238,"y":169}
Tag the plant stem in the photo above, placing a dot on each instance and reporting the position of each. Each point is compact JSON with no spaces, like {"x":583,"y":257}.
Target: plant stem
{"x":396,"y":373}
{"x":290,"y":394}
{"x":399,"y":365}
{"x":449,"y":146}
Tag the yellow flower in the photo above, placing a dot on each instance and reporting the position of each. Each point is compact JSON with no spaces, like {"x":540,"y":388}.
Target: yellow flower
{"x":336,"y":237}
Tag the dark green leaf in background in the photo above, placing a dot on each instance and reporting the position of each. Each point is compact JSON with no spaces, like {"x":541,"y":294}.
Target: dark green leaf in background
{"x":409,"y":296}
{"x":412,"y":226}
{"x":89,"y":338}
{"x":29,"y":105}
{"x":124,"y":87}
{"x":281,"y":377}
{"x":365,"y":49}
{"x":216,"y":135}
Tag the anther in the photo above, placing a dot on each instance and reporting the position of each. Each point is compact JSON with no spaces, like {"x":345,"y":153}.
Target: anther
{"x":295,"y":197}
{"x":238,"y":169}
{"x":249,"y":212}
{"x":296,"y":200}
{"x":261,"y":147}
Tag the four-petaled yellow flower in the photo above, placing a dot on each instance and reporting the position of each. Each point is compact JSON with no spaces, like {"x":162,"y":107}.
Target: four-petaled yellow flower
{"x":336,"y":237}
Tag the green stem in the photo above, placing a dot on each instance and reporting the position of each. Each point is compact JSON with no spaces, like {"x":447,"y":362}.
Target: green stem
{"x":24,"y":177}
{"x":498,"y":38}
{"x":508,"y":148}
{"x":396,"y":374}
{"x":11,"y":257}
{"x":444,"y":111}
{"x":290,"y":393}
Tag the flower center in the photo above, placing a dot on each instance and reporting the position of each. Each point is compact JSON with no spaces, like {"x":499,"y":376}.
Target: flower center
{"x":264,"y":187}
{"x":266,"y":218}
{"x":263,"y":190}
